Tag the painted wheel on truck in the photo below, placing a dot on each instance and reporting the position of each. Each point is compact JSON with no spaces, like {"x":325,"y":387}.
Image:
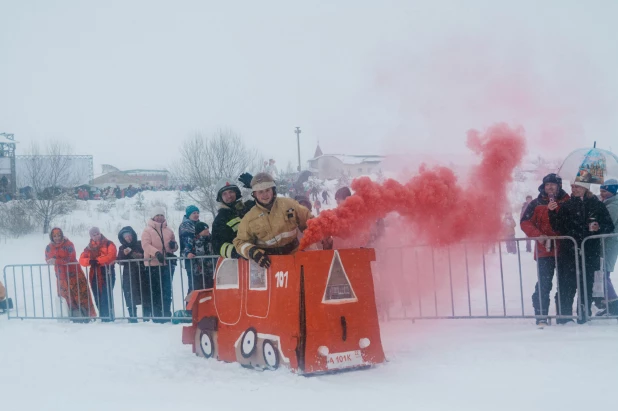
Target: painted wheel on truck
{"x":205,"y":344}
{"x":248,"y":342}
{"x":271,"y":355}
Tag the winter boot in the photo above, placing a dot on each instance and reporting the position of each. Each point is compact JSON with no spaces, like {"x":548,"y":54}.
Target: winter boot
{"x":542,"y":323}
{"x":613,"y":307}
{"x":563,"y":321}
{"x":132,"y":314}
{"x":601,"y":313}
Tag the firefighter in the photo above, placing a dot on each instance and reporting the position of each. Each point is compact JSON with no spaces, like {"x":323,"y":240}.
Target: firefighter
{"x":231,"y":211}
{"x":271,"y":227}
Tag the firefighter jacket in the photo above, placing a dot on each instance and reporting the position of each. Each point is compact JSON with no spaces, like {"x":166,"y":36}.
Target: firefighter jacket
{"x":275,"y":231}
{"x":225,"y":226}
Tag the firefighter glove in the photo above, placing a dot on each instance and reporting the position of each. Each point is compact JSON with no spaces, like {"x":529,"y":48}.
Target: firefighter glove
{"x":94,"y":262}
{"x":259,"y":257}
{"x":245,"y":179}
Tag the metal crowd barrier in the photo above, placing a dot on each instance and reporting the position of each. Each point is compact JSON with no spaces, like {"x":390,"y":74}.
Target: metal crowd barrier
{"x":466,"y":281}
{"x":36,"y":289}
{"x":604,"y":276}
{"x":462,"y":281}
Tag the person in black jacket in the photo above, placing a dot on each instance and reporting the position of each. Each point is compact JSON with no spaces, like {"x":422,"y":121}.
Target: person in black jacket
{"x":583,"y":215}
{"x":231,"y":211}
{"x":135,"y":281}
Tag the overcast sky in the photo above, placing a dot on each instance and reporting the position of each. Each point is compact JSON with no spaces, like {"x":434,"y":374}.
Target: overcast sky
{"x":127,"y":81}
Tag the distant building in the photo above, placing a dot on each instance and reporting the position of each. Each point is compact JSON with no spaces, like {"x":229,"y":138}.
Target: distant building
{"x":7,"y":166}
{"x":331,"y":166}
{"x":114,"y":177}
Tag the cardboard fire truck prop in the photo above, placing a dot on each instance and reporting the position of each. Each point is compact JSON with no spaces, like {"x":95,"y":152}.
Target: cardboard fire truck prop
{"x":312,"y":312}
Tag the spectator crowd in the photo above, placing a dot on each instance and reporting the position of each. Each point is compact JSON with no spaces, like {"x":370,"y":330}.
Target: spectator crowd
{"x":270,"y":224}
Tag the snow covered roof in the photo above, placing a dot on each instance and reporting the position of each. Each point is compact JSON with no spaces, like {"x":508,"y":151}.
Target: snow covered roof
{"x":5,"y":140}
{"x":353,"y":159}
{"x":145,"y":171}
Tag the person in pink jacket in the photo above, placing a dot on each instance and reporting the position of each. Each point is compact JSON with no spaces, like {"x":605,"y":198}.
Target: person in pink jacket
{"x":158,"y":242}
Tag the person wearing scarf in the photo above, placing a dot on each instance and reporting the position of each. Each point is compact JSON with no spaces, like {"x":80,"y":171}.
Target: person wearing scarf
{"x":100,"y":255}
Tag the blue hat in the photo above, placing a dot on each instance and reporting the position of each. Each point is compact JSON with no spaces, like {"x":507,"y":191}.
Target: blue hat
{"x":190,"y":210}
{"x":610,"y":185}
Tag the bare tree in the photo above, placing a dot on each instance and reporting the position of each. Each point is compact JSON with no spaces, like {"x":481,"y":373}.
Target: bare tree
{"x":206,"y":160}
{"x":50,"y":174}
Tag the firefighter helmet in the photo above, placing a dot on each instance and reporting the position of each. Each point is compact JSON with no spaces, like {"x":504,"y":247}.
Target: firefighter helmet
{"x":262,"y":181}
{"x":227,"y":184}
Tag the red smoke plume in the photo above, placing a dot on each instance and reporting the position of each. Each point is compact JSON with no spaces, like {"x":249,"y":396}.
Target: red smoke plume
{"x":441,"y":211}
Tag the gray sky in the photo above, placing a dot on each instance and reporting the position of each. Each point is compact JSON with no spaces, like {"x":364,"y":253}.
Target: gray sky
{"x":127,"y":81}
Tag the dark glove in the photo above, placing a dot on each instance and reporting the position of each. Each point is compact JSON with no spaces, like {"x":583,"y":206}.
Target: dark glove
{"x":172,"y":244}
{"x":94,"y":262}
{"x":245,"y":179}
{"x":259,"y":257}
{"x":160,"y":257}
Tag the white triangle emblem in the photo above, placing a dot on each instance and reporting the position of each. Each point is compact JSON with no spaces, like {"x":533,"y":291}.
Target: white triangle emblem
{"x":338,"y":286}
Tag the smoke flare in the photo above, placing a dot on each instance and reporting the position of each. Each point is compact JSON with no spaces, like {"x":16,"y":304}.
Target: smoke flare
{"x":441,"y":211}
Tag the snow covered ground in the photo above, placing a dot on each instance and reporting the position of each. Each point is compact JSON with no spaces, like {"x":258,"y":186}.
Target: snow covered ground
{"x":448,"y":365}
{"x":433,"y":365}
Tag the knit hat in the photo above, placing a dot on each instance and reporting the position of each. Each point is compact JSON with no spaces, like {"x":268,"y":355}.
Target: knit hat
{"x":190,"y":210}
{"x":580,"y":184}
{"x":55,"y":230}
{"x":200,"y":226}
{"x":94,"y":231}
{"x":610,"y":185}
{"x":158,"y":211}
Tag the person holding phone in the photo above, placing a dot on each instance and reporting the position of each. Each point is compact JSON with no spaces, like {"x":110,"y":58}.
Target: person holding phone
{"x":534,"y":222}
{"x":582,"y":216}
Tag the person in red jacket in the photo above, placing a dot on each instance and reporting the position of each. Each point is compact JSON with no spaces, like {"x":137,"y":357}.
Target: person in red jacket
{"x":71,"y":282}
{"x":535,"y":223}
{"x":100,"y":255}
